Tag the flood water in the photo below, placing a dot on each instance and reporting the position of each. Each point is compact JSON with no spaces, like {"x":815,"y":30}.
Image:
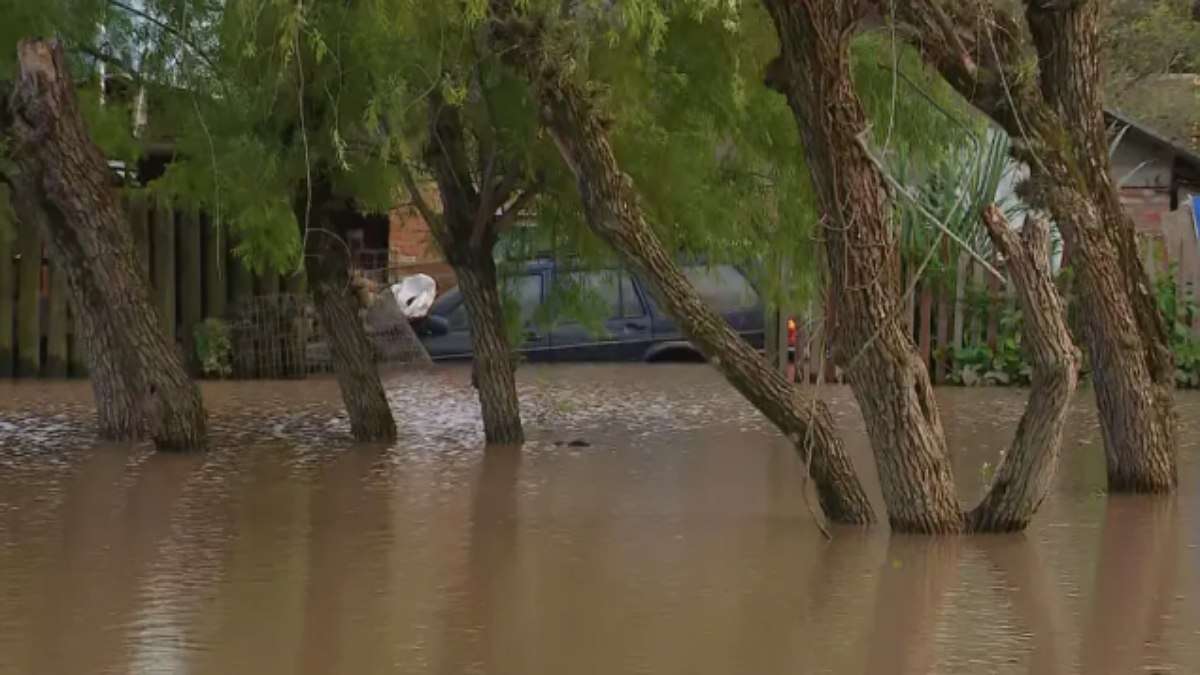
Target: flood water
{"x":677,"y":541}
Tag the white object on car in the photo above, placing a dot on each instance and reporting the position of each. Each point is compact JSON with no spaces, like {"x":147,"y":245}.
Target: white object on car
{"x":415,"y":295}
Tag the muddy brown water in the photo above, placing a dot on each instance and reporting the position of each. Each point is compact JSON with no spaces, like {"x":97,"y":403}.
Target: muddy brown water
{"x":678,"y":541}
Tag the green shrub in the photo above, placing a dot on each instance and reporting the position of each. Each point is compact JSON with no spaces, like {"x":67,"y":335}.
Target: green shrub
{"x":214,"y":348}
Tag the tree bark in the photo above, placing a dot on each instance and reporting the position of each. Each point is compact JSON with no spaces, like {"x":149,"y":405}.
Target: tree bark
{"x":1057,"y":123}
{"x":871,"y":341}
{"x":337,"y":305}
{"x":612,"y":211}
{"x":466,"y":231}
{"x":493,"y":370}
{"x":1024,"y":476}
{"x":63,"y":183}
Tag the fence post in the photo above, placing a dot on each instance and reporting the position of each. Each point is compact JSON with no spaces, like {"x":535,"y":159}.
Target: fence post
{"x":944,"y":309}
{"x":924,"y":328}
{"x":137,"y":212}
{"x":994,"y":307}
{"x":297,"y":282}
{"x":191,"y":288}
{"x":215,"y":271}
{"x":76,"y":349}
{"x":976,"y":329}
{"x":7,"y":294}
{"x":56,"y":338}
{"x":268,"y":282}
{"x":960,"y":297}
{"x":29,"y":325}
{"x":164,"y":268}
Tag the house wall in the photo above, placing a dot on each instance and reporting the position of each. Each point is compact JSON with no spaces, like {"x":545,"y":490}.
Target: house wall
{"x":1139,"y":163}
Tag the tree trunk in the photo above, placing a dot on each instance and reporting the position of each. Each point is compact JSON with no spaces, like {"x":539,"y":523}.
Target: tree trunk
{"x":493,"y":368}
{"x":871,"y":340}
{"x":353,"y":354}
{"x":1024,"y":476}
{"x":1132,"y":364}
{"x":1058,"y":124}
{"x":466,"y":231}
{"x":63,"y":183}
{"x":611,"y":207}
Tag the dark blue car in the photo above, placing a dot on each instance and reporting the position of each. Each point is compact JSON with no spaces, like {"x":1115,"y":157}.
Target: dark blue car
{"x":636,"y":328}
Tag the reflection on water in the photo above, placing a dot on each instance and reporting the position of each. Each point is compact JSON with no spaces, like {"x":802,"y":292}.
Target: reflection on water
{"x":678,"y":541}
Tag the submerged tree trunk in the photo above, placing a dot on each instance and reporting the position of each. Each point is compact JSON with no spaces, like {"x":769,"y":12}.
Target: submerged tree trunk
{"x":63,"y":183}
{"x":1023,"y":478}
{"x":611,"y":207}
{"x":466,"y":231}
{"x":337,"y":305}
{"x":890,"y":380}
{"x":493,"y":367}
{"x":1057,"y":124}
{"x":888,"y":377}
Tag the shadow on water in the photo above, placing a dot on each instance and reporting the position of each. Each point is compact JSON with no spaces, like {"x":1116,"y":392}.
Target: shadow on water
{"x":469,"y":635}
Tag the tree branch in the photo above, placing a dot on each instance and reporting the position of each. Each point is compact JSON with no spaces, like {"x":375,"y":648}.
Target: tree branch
{"x":431,"y":218}
{"x":1024,"y":476}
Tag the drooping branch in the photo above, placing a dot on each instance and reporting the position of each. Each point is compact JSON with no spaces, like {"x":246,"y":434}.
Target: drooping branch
{"x":1024,"y":476}
{"x":612,"y":210}
{"x":178,"y":34}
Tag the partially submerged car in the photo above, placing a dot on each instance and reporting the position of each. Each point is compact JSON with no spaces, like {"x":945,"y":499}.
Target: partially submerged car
{"x":635,"y":327}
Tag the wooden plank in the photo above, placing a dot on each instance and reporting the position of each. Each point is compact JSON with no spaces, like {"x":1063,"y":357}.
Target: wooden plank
{"x":29,"y":327}
{"x":137,"y":209}
{"x":191,"y":284}
{"x":944,"y":309}
{"x":76,"y":348}
{"x":8,"y":292}
{"x":216,"y":272}
{"x":962,"y":273}
{"x":994,"y":306}
{"x":296,"y":283}
{"x":925,"y":322}
{"x":267,"y":283}
{"x":241,"y":281}
{"x":975,"y":326}
{"x":59,"y":325}
{"x":164,"y":268}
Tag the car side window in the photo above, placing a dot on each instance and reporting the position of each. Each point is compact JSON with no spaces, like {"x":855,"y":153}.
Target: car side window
{"x":527,"y":291}
{"x":631,"y":303}
{"x":585,"y":297}
{"x":458,"y":317}
{"x":723,"y":287}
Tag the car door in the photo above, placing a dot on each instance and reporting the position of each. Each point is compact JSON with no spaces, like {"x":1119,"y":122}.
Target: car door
{"x":527,"y":292}
{"x":617,"y":326}
{"x":455,"y":343}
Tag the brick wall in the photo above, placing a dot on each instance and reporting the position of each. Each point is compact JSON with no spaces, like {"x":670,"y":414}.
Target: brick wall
{"x":409,"y":238}
{"x":411,"y":247}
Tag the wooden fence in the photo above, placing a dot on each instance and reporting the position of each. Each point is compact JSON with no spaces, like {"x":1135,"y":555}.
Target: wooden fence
{"x":193,"y":275}
{"x":960,"y":307}
{"x":964,"y":307}
{"x":191,"y":270}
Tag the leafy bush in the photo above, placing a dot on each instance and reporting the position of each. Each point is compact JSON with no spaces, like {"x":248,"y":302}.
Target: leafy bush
{"x":1184,"y":343}
{"x":214,"y":348}
{"x":1007,"y":364}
